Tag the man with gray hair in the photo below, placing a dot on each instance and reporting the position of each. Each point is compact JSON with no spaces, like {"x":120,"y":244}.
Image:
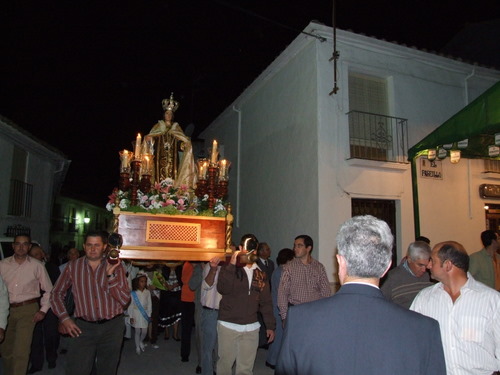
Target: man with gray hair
{"x":357,"y":331}
{"x":405,"y":281}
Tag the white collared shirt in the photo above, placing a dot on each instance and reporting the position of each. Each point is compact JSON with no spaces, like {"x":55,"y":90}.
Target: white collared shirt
{"x":244,"y":327}
{"x":209,"y":296}
{"x":470,"y":327}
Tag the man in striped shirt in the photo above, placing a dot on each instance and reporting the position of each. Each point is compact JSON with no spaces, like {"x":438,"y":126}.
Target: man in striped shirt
{"x":101,"y":292}
{"x":303,"y":279}
{"x":468,"y":312}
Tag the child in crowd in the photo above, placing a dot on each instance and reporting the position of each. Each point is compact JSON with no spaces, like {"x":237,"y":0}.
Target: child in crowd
{"x":139,"y":310}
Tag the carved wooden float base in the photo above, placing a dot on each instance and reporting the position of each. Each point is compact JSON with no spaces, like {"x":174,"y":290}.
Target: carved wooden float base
{"x":172,"y":237}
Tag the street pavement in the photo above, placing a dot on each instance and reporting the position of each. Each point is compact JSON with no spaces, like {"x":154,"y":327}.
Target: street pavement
{"x":165,"y":360}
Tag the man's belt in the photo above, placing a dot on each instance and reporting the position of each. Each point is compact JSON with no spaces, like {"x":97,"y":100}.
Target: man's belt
{"x":209,"y":308}
{"x":102,"y":321}
{"x":27,"y":302}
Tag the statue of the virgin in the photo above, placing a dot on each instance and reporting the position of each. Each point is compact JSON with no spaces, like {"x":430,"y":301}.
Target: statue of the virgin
{"x":173,"y":151}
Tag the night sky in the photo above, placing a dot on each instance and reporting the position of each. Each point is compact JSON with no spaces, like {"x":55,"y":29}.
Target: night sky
{"x":87,"y":76}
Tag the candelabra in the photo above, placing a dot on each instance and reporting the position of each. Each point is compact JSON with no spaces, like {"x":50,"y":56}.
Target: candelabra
{"x":212,"y":180}
{"x":125,"y":157}
{"x":135,"y":173}
{"x":124,"y":182}
{"x":134,"y":183}
{"x":145,"y":184}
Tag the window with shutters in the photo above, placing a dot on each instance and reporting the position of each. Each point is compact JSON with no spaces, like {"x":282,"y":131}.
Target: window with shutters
{"x":373,"y":134}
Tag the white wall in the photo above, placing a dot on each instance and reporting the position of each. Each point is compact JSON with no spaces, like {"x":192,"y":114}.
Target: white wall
{"x":6,"y":149}
{"x":423,"y":88}
{"x":294,"y":176}
{"x":451,"y":208}
{"x":42,"y":163}
{"x":278,"y":184}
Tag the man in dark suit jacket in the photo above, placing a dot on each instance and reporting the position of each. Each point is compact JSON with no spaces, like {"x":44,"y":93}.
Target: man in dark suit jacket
{"x":264,"y":261}
{"x":266,"y":265}
{"x":357,"y":331}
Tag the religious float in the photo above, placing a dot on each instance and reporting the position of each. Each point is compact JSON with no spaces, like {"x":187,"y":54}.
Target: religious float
{"x":167,"y":207}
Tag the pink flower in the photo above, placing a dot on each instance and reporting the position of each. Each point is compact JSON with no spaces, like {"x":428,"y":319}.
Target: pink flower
{"x":112,"y":196}
{"x":169,"y":202}
{"x":157,"y":186}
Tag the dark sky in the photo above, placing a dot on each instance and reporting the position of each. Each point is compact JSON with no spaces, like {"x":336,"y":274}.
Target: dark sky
{"x":86,"y":76}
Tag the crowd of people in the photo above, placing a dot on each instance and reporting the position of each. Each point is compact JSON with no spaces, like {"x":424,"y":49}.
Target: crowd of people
{"x":437,"y":312}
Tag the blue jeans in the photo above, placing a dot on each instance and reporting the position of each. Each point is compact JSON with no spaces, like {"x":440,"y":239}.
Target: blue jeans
{"x":208,"y":340}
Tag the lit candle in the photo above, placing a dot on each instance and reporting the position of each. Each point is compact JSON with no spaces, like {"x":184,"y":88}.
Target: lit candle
{"x":205,"y":166}
{"x":202,"y":173}
{"x":125,"y":156}
{"x":137,"y":149}
{"x":223,"y":164}
{"x":146,"y":162}
{"x":148,"y":144}
{"x":213,"y":159}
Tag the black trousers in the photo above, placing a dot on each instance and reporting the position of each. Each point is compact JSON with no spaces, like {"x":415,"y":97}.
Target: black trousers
{"x":45,"y":339}
{"x":187,"y":321}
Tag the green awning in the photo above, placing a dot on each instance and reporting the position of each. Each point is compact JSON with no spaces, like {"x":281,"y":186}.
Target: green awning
{"x":478,"y":122}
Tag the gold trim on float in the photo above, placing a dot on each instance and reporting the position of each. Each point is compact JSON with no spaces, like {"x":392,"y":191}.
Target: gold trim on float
{"x":180,"y":217}
{"x":170,"y":249}
{"x":173,"y":232}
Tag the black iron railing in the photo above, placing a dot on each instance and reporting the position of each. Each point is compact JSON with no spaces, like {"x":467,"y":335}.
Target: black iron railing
{"x":20,"y":198}
{"x":378,"y":137}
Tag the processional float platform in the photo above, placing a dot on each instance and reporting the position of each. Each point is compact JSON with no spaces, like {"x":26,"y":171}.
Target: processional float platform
{"x":172,"y":237}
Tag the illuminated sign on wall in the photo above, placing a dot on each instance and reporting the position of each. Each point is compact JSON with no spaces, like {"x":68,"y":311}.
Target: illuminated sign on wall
{"x":431,"y":169}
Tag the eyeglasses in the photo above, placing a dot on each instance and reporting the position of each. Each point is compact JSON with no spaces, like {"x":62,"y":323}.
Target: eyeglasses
{"x":21,"y":244}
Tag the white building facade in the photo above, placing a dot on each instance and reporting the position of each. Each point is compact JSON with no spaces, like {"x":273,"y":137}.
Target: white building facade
{"x":304,"y":160}
{"x":32,"y":174}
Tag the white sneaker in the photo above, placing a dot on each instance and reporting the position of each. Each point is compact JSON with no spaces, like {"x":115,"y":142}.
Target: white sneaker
{"x":142,"y":346}
{"x":155,"y":346}
{"x":138,"y":351}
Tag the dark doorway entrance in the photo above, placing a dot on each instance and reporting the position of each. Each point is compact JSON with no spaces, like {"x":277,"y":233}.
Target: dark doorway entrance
{"x":493,"y":217}
{"x":382,"y":209}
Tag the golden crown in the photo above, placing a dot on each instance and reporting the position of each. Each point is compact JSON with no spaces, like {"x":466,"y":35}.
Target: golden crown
{"x":170,"y":104}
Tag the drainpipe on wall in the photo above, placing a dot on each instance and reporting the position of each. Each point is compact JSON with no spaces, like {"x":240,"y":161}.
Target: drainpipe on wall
{"x":469,"y":178}
{"x":466,"y":85}
{"x":416,"y":210}
{"x":238,"y":158}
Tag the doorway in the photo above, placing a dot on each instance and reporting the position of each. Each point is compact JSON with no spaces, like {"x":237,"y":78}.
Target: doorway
{"x":492,"y":217}
{"x":382,"y":209}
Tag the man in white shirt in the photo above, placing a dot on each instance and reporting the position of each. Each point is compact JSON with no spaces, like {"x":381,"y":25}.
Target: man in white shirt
{"x":4,"y":308}
{"x":468,"y":312}
{"x":209,"y":299}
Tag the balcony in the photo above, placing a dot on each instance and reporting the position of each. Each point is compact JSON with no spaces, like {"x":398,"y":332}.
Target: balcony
{"x":20,"y":199}
{"x":378,"y":137}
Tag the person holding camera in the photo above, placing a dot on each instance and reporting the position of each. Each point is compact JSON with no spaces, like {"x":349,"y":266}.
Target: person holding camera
{"x":245,"y":291}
